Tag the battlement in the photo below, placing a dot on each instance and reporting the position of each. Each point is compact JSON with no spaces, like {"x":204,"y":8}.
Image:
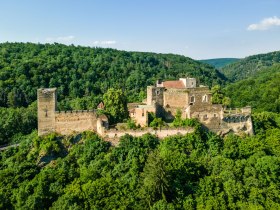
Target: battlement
{"x":75,"y":111}
{"x":63,"y":122}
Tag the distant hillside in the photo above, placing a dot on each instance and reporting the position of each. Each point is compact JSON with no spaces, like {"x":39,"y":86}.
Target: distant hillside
{"x":83,"y":74}
{"x":261,"y":91}
{"x":220,"y":62}
{"x":248,"y":66}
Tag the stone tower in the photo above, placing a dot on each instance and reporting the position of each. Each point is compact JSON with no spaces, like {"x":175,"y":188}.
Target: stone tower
{"x":46,"y":99}
{"x":155,"y":95}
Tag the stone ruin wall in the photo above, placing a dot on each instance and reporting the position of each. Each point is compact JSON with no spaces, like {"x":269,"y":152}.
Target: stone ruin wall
{"x":236,"y":124}
{"x":46,"y":102}
{"x":63,"y":122}
{"x":199,"y":92}
{"x":155,"y":94}
{"x":75,"y":121}
{"x":175,"y":99}
{"x":114,"y":135}
{"x":211,"y":115}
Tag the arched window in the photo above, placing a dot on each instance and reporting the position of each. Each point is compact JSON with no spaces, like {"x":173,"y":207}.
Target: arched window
{"x":204,"y":98}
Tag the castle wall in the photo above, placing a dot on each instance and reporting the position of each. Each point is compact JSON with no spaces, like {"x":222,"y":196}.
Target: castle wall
{"x":140,"y":114}
{"x":201,"y":96}
{"x":75,"y":121}
{"x":176,"y":99}
{"x":155,"y":95}
{"x":236,"y":124}
{"x":205,"y":111}
{"x":114,"y":135}
{"x":189,"y":82}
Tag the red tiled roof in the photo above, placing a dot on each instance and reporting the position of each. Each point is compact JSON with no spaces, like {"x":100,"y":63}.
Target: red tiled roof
{"x":173,"y":84}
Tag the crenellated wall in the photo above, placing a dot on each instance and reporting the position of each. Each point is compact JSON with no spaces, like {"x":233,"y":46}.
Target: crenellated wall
{"x":63,"y":122}
{"x":75,"y":121}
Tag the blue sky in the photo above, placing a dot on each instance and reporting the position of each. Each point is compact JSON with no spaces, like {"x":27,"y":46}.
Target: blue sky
{"x":198,"y":29}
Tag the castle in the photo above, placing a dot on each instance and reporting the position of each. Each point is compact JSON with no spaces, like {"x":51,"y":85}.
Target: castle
{"x":163,"y":99}
{"x":193,"y":101}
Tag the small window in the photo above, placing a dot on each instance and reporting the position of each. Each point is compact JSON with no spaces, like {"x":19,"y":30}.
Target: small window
{"x":215,"y":115}
{"x":204,"y":98}
{"x":143,"y":114}
{"x":192,"y":99}
{"x":157,"y":92}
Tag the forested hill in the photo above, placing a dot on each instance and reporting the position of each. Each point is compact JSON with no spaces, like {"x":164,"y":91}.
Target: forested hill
{"x":248,"y":66}
{"x":220,"y":62}
{"x":261,"y":91}
{"x":84,"y":72}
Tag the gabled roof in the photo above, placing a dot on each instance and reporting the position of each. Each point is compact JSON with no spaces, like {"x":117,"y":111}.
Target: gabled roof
{"x":173,"y":84}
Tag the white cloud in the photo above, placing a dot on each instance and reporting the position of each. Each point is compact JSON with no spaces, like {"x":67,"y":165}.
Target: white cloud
{"x":107,"y":42}
{"x":265,"y":24}
{"x":61,"y":39}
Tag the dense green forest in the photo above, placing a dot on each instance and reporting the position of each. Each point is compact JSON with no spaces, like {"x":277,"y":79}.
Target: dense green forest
{"x":195,"y":171}
{"x":219,"y":63}
{"x":261,"y":92}
{"x":83,"y":74}
{"x":249,"y":66}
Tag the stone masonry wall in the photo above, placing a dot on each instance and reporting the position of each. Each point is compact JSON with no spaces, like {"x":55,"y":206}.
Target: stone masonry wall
{"x":46,"y":99}
{"x":155,"y":94}
{"x":175,"y":98}
{"x":75,"y":121}
{"x":114,"y":135}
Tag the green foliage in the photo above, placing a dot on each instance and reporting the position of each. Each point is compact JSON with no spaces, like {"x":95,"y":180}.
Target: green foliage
{"x":197,"y":171}
{"x":157,"y":123}
{"x":249,"y":66}
{"x":261,"y":92}
{"x":131,"y":124}
{"x":218,"y":96}
{"x":265,"y":120}
{"x":220,"y":62}
{"x":179,"y":122}
{"x":16,"y":121}
{"x":115,"y":105}
{"x":83,"y":74}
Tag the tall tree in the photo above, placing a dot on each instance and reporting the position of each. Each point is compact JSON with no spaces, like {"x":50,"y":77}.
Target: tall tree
{"x":115,"y":105}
